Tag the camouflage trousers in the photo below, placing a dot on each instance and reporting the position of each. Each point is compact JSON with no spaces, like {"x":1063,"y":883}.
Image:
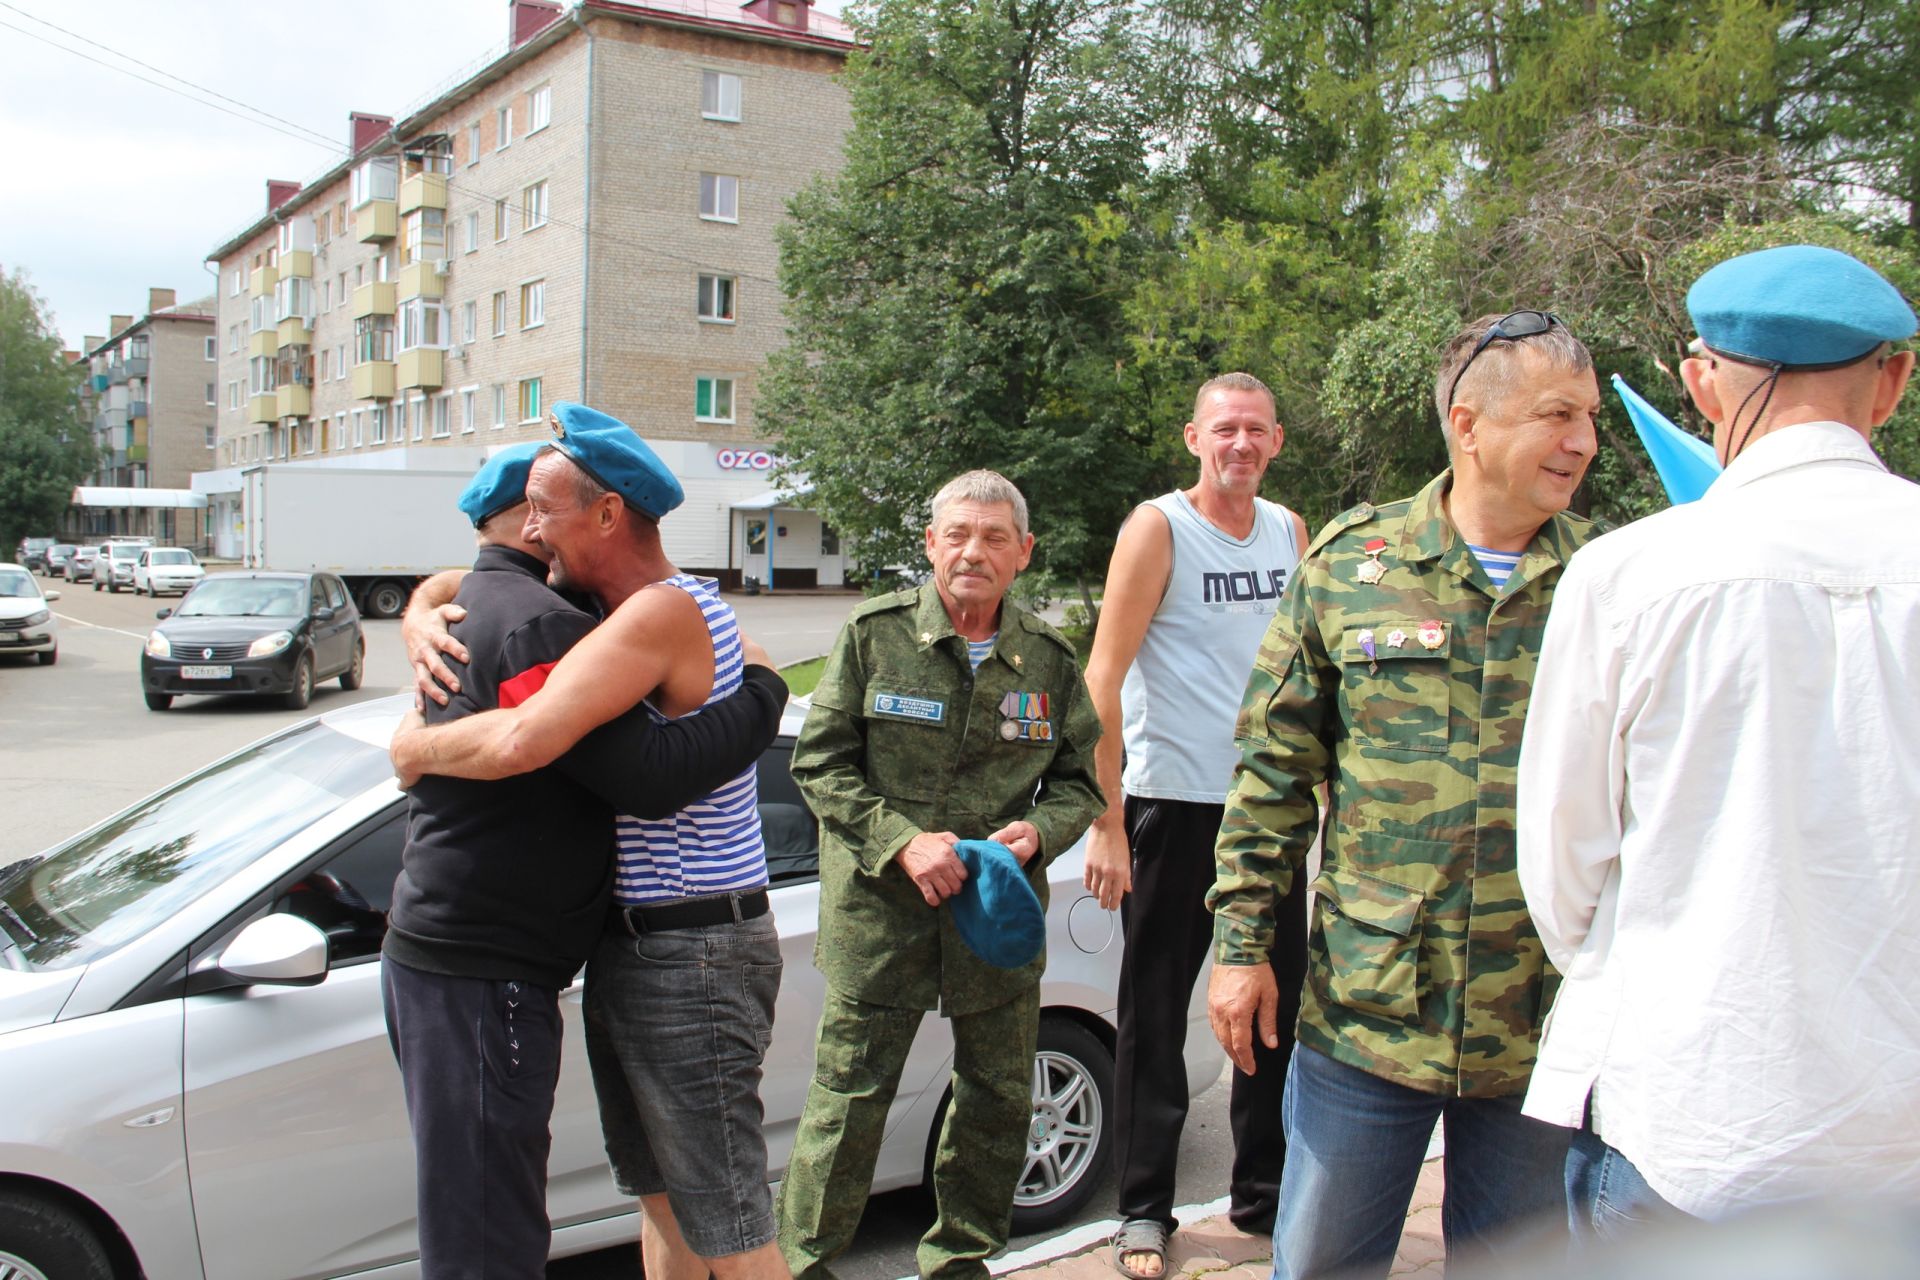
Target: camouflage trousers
{"x":983,"y":1144}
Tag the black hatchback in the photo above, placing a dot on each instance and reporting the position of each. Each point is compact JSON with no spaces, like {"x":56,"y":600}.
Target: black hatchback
{"x":276,"y":634}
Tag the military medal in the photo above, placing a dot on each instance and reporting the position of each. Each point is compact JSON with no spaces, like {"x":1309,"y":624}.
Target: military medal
{"x":1016,"y":662}
{"x":1433,"y":634}
{"x":1009,"y":730}
{"x":1024,"y":718}
{"x":1371,"y":570}
{"x":1365,"y":639}
{"x":1396,"y":638}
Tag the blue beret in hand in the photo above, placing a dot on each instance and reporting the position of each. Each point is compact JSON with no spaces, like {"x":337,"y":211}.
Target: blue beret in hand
{"x":614,"y":454}
{"x":997,"y":912}
{"x":501,"y":482}
{"x":1799,"y":306}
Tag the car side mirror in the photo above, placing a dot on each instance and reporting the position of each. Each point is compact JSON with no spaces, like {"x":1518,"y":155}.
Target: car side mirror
{"x":51,"y":596}
{"x":280,"y":949}
{"x":163,"y":614}
{"x":323,"y":613}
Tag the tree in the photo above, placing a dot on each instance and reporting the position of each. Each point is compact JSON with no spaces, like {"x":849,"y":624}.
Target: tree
{"x":945,"y":309}
{"x":44,"y":449}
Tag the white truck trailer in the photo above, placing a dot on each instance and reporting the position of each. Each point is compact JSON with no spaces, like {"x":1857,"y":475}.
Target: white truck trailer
{"x":381,"y":531}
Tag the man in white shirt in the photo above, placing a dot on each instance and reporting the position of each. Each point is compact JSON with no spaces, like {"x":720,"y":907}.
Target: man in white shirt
{"x":1719,"y":788}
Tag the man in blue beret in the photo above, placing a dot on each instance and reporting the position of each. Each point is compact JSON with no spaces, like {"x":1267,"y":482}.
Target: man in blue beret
{"x":1719,"y":782}
{"x":504,"y":890}
{"x":676,"y":1065}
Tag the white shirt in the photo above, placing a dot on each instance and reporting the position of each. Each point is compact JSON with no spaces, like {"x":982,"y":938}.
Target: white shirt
{"x":1719,"y":832}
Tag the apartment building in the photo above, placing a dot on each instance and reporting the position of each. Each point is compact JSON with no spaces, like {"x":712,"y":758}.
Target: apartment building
{"x":149,"y":396}
{"x":588,"y":216}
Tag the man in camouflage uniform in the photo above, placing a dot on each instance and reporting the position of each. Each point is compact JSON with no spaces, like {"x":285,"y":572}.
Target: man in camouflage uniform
{"x":944,"y":713}
{"x":1396,"y":673}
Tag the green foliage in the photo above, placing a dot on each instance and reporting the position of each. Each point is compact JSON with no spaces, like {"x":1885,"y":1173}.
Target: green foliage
{"x":44,"y":449}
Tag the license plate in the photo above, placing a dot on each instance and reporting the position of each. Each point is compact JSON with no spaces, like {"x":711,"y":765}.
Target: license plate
{"x":9,"y":635}
{"x":206,"y":673}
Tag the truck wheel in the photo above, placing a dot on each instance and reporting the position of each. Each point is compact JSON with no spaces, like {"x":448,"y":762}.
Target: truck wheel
{"x":40,"y":1240}
{"x":384,"y":599}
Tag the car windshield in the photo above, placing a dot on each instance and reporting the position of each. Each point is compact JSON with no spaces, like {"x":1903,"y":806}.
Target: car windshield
{"x":105,"y":888}
{"x":245,"y":598}
{"x":169,"y":557}
{"x":15,"y":583}
{"x":62,"y":550}
{"x":126,"y":553}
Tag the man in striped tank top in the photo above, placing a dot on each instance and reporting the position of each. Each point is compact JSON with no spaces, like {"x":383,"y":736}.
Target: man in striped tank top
{"x":680,"y":992}
{"x":1195,"y":578}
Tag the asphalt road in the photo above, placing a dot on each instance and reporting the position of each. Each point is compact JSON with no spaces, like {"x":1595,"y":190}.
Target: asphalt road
{"x":77,"y":745}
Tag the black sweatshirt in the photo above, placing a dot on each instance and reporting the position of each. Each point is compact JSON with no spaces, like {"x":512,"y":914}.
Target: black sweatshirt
{"x":510,"y":879}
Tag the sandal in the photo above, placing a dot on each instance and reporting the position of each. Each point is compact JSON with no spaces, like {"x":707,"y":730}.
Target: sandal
{"x":1140,"y":1235}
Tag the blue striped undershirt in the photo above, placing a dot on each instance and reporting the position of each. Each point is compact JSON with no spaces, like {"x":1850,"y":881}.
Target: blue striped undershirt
{"x":1497,"y":564}
{"x":713,"y":845}
{"x":977,"y":650}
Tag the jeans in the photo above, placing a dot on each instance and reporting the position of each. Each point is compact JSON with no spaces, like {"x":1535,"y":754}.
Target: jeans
{"x":1354,"y":1147}
{"x":1607,"y":1199}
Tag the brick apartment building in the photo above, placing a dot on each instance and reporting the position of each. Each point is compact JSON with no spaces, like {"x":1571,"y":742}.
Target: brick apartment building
{"x":149,"y":397}
{"x":588,"y":216}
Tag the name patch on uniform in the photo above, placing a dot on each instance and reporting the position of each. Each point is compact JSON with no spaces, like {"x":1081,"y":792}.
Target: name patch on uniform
{"x":902,"y":707}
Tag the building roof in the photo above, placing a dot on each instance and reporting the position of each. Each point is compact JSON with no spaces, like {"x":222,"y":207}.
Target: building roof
{"x":184,"y":311}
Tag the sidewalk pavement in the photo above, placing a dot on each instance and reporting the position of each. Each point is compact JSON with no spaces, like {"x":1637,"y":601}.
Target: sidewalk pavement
{"x":1214,"y":1249}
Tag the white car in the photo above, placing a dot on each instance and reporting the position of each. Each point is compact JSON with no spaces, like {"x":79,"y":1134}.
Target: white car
{"x":26,"y":623}
{"x":159,"y":569}
{"x":192,"y":1040}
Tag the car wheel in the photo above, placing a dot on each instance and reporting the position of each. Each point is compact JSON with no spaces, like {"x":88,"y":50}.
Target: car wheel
{"x":47,"y":658}
{"x":158,"y":701}
{"x":351,"y":677}
{"x":302,"y":692}
{"x":40,"y":1240}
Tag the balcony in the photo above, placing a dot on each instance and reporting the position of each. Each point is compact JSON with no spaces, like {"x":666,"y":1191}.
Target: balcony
{"x":422,"y":280}
{"x":137,"y":453}
{"x":293,"y":400}
{"x":376,"y":220}
{"x":261,"y":283}
{"x":116,"y":374}
{"x":265,"y":408}
{"x":373,"y":300}
{"x":99,"y":382}
{"x":138,"y":409}
{"x":422,"y":367}
{"x":136,"y":366}
{"x":373,"y":380}
{"x":295,"y":331}
{"x":264,"y":343}
{"x":296,"y":264}
{"x":423,"y":191}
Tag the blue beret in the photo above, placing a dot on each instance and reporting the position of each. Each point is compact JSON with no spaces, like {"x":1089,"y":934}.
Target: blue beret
{"x":501,"y":482}
{"x":1800,"y":306}
{"x":997,"y":913}
{"x":613,"y":453}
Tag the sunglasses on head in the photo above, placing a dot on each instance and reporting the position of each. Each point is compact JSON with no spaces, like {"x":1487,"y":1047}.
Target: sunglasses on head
{"x":1508,"y":328}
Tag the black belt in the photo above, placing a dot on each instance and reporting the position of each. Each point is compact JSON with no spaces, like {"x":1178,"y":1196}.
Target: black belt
{"x":692,"y":913}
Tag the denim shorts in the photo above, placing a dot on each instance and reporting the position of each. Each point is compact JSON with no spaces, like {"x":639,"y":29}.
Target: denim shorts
{"x":677,"y":1025}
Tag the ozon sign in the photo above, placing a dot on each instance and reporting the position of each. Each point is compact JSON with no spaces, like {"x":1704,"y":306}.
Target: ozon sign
{"x":743,"y":459}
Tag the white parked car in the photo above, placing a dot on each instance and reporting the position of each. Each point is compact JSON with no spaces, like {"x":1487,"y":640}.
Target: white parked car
{"x":192,"y":1040}
{"x":160,"y":569}
{"x":26,"y":623}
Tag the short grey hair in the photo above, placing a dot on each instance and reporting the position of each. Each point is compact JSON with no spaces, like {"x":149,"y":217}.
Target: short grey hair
{"x":1235,"y":381}
{"x":985,"y":487}
{"x":1491,"y":378}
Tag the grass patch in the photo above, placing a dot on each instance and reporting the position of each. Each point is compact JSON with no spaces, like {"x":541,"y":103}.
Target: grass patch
{"x":803,"y":677}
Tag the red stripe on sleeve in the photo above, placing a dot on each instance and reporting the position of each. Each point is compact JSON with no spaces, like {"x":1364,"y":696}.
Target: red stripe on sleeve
{"x":523,"y":686}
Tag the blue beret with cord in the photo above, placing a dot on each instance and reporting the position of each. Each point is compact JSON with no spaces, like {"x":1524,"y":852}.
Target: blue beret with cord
{"x":614,"y":454}
{"x":1798,"y":307}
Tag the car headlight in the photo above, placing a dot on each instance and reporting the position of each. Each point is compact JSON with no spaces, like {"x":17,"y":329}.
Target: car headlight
{"x":157,"y":646}
{"x":269,"y":644}
{"x":35,"y":619}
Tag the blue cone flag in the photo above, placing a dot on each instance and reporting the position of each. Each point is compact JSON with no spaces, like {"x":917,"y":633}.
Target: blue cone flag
{"x":1685,"y":462}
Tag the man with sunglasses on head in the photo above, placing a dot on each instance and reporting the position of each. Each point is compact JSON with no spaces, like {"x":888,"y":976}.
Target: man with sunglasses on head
{"x":1719,"y":787}
{"x":1396,"y":675}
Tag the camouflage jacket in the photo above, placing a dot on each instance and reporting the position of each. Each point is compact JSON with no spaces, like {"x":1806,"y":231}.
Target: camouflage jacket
{"x":905,"y":737}
{"x":1405,"y":695}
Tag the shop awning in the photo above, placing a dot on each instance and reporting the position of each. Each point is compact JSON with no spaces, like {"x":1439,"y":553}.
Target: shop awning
{"x":774,"y":498}
{"x":94,"y":496}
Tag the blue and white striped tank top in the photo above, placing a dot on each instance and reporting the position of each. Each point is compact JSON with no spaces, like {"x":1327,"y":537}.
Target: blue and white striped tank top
{"x":713,"y":845}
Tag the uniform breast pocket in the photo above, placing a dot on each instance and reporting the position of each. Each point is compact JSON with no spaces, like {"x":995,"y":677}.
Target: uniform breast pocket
{"x":908,"y":727}
{"x":1395,"y":684}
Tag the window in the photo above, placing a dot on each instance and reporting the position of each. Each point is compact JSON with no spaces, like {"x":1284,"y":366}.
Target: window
{"x":213,"y":393}
{"x":719,"y":95}
{"x":533,"y":304}
{"x":340,"y":430}
{"x":533,"y":206}
{"x":499,"y":313}
{"x":716,"y":298}
{"x":829,"y":540}
{"x":325,"y":356}
{"x":306,"y":436}
{"x":263,"y":317}
{"x":473,"y":143}
{"x":372,"y":339}
{"x":468,"y":320}
{"x":418,"y":408}
{"x":375,"y":179}
{"x":503,"y":128}
{"x":713,"y":399}
{"x":233,"y":394}
{"x":442,"y":415}
{"x":473,"y":231}
{"x":500,"y":219}
{"x":380,"y":421}
{"x":293,"y":300}
{"x":530,"y":400}
{"x":237,"y":284}
{"x":425,"y":232}
{"x":359,"y":274}
{"x":211,"y":437}
{"x":260,"y":375}
{"x":382,"y":269}
{"x":340,"y":289}
{"x":326,"y":296}
{"x":720,"y":197}
{"x":468,"y":395}
{"x":540,"y":108}
{"x":359,"y":427}
{"x":340,"y":361}
{"x":499,"y":405}
{"x":233,"y":339}
{"x":213,"y":347}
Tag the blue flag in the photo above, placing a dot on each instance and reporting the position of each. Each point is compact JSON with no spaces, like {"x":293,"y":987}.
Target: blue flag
{"x":1685,"y":462}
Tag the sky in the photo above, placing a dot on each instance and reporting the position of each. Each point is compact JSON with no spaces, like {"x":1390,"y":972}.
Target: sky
{"x":116,"y":186}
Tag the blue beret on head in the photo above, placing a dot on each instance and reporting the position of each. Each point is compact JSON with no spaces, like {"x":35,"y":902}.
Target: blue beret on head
{"x":613,"y":453}
{"x":1800,"y":307}
{"x":501,"y":482}
{"x":997,"y":913}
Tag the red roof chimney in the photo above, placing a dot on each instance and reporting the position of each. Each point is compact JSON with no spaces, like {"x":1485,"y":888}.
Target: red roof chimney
{"x":279,"y":191}
{"x":528,"y":18}
{"x":781,"y":13}
{"x":159,"y":300}
{"x":368,"y":129}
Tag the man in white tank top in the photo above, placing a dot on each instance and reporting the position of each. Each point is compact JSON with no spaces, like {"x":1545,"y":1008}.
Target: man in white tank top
{"x":1195,"y":578}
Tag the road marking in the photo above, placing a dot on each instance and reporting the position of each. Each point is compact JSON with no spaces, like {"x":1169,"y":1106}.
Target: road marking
{"x":82,"y":622}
